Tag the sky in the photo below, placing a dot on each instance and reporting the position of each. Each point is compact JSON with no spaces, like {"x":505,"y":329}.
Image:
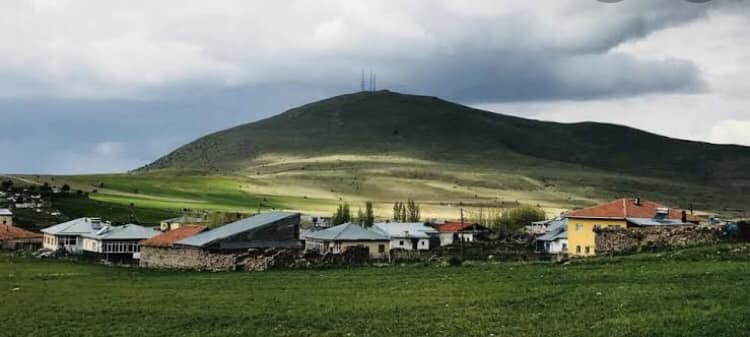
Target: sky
{"x":91,"y":86}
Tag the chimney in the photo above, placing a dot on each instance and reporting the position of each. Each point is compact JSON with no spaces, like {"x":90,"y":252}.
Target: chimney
{"x":637,"y":201}
{"x":684,"y":217}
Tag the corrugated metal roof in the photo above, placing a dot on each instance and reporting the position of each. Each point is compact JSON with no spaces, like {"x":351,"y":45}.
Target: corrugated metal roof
{"x":657,"y":222}
{"x":75,"y":227}
{"x":258,"y":221}
{"x":405,"y":229}
{"x":558,"y":229}
{"x":5,"y":212}
{"x":168,"y":238}
{"x":124,"y":232}
{"x":346,"y":232}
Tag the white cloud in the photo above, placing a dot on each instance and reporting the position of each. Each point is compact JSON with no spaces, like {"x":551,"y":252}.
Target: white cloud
{"x":731,"y":132}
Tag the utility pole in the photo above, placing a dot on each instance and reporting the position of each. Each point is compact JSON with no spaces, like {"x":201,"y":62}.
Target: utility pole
{"x":362,"y":82}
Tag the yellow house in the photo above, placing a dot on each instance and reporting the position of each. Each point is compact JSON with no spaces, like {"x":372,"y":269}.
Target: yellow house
{"x":617,"y":213}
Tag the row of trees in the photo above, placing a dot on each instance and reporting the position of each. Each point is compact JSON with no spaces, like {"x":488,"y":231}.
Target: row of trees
{"x":364,"y":218}
{"x":406,"y":211}
{"x":409,"y":211}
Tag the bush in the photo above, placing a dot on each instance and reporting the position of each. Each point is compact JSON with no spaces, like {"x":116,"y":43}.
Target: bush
{"x":518,"y":217}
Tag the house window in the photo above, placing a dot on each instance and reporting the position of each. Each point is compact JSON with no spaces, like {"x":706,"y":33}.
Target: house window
{"x":588,"y":250}
{"x":381,"y":248}
{"x":564,"y":247}
{"x":401,"y":243}
{"x":579,"y":227}
{"x":5,"y":222}
{"x":578,"y":249}
{"x":422,"y":243}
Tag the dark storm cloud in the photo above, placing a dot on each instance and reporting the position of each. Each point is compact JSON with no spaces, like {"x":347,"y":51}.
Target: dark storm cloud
{"x":144,"y":82}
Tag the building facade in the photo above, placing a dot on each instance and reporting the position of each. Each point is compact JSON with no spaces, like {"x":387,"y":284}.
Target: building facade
{"x":619,"y":213}
{"x":67,"y":235}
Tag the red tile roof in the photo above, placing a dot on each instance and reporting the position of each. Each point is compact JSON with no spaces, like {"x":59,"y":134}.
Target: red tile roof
{"x":626,"y":208}
{"x":10,"y":232}
{"x":450,"y":227}
{"x":167,"y":239}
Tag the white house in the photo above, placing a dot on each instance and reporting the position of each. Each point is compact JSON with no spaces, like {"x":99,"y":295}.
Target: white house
{"x":555,"y":240}
{"x":6,"y":217}
{"x":67,"y":235}
{"x":117,"y":241}
{"x":407,"y":236}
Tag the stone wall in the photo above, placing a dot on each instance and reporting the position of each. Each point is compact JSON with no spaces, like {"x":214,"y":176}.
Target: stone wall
{"x":635,"y":239}
{"x":248,"y":260}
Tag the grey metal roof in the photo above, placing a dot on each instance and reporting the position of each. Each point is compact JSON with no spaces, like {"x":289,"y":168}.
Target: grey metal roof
{"x":213,"y":235}
{"x":124,"y":232}
{"x":558,"y":229}
{"x":656,"y":222}
{"x":75,"y":227}
{"x":5,"y":212}
{"x":346,"y":232}
{"x":405,"y":229}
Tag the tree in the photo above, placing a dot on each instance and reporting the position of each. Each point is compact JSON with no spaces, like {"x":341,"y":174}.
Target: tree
{"x":65,"y":188}
{"x":369,"y":215}
{"x":342,"y":215}
{"x":406,"y":212}
{"x":518,"y":217}
{"x":6,"y":185}
{"x":360,"y":217}
{"x":413,"y":211}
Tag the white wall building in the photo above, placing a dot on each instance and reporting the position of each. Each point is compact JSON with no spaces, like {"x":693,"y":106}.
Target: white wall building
{"x":555,"y":240}
{"x":6,"y":217}
{"x":407,"y":236}
{"x":67,"y":235}
{"x":121,"y":241}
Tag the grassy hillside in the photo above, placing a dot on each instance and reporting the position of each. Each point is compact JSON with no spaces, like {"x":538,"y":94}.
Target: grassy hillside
{"x":697,"y":292}
{"x":384,"y":122}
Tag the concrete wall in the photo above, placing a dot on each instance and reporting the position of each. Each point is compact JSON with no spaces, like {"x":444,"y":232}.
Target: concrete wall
{"x":6,"y":219}
{"x":634,"y":239}
{"x":406,"y":244}
{"x":326,"y":247}
{"x":559,"y":246}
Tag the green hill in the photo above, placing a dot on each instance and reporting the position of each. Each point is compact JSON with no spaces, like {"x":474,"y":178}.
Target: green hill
{"x":384,"y":146}
{"x":384,"y":122}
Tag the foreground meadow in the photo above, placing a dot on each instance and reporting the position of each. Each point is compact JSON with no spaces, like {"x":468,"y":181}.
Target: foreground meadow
{"x":697,"y":292}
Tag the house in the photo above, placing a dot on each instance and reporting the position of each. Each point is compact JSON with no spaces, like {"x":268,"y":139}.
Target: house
{"x":537,"y":227}
{"x":626,"y":212}
{"x":156,"y":248}
{"x":120,"y":243}
{"x":224,"y":247}
{"x":453,"y":232}
{"x":555,"y":240}
{"x":12,"y":237}
{"x":67,"y":235}
{"x":174,"y":223}
{"x":265,"y":230}
{"x":409,"y":236}
{"x":338,"y":238}
{"x":6,"y":216}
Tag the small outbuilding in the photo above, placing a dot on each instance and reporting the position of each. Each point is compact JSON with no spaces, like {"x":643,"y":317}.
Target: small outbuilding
{"x":155,"y":252}
{"x":6,"y":216}
{"x":175,"y":223}
{"x":453,"y":232}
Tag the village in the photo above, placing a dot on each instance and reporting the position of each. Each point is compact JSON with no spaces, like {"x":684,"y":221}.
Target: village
{"x":279,"y":238}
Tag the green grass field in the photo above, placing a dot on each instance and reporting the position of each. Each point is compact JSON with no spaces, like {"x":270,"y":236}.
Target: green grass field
{"x":693,"y":292}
